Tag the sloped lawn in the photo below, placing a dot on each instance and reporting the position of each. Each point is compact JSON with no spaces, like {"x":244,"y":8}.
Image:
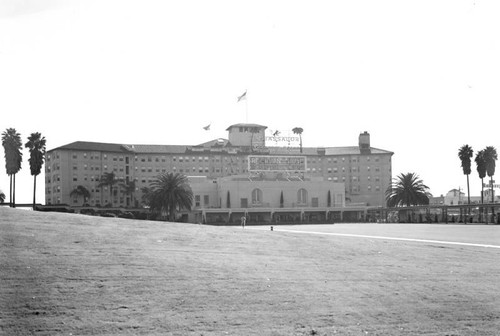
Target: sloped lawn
{"x":63,"y":274}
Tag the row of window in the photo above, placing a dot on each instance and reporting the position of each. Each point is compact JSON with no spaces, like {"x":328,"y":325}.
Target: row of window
{"x":330,"y":170}
{"x":163,"y":158}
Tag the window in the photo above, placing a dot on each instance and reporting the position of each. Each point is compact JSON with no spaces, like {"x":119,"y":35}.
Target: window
{"x":302,"y":196}
{"x":205,"y":200}
{"x":257,"y":196}
{"x":197,"y":200}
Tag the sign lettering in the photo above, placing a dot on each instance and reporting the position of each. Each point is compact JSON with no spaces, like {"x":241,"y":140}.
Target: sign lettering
{"x":276,"y":163}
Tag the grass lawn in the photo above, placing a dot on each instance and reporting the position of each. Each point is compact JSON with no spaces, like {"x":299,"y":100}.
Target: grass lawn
{"x":66,"y":274}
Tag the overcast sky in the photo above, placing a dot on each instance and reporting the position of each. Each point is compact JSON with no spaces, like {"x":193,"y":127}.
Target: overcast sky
{"x":422,"y":77}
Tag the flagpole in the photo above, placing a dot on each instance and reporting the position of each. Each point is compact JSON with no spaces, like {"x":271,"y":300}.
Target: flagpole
{"x":246,"y":108}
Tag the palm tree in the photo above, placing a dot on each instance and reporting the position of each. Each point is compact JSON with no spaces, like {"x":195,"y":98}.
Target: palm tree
{"x":481,"y":170}
{"x":490,"y":156}
{"x":128,"y":188}
{"x":36,"y":144}
{"x":465,"y":154}
{"x":407,"y":190}
{"x":81,"y":191}
{"x":109,"y":180}
{"x":12,"y":144}
{"x":2,"y":197}
{"x":170,"y":192}
{"x":298,"y":130}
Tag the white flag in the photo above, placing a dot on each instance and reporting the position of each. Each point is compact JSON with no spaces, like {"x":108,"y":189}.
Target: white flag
{"x":242,"y":97}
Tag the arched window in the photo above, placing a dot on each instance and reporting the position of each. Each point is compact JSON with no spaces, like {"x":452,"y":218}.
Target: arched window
{"x":302,"y":196}
{"x":257,"y":196}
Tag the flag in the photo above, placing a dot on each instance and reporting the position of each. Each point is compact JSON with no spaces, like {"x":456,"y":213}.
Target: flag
{"x":242,"y":97}
{"x":207,"y":128}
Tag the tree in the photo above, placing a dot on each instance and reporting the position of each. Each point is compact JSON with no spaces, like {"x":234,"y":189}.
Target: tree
{"x":146,"y":196}
{"x":12,"y":144}
{"x":407,"y":190}
{"x":109,"y":180}
{"x":170,"y":192}
{"x":481,"y":170}
{"x":80,"y":191}
{"x":298,"y":130}
{"x":2,"y":197}
{"x":465,"y":154}
{"x":128,"y":188}
{"x":490,"y":156}
{"x":36,"y":144}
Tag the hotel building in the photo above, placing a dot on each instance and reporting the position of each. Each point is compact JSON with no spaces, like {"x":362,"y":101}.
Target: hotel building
{"x":354,"y":175}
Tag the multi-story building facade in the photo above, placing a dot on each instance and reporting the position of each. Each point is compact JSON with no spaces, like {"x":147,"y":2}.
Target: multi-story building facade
{"x":364,"y":171}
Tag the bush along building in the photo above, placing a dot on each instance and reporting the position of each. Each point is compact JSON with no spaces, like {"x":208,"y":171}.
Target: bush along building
{"x":267,"y":176}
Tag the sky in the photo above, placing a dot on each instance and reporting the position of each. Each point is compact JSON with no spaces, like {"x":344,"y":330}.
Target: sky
{"x":422,"y":77}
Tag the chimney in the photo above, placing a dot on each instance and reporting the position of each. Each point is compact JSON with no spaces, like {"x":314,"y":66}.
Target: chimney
{"x":364,"y":143}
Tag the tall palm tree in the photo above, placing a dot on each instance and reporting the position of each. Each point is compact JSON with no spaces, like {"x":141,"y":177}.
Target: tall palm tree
{"x":465,"y":154}
{"x":12,"y":144}
{"x":80,"y":191}
{"x":128,"y":188}
{"x":109,"y":180}
{"x":170,"y":192}
{"x":407,"y":190}
{"x":298,"y":130}
{"x":36,"y":144}
{"x":481,"y":170}
{"x":2,"y":197}
{"x":490,"y":156}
